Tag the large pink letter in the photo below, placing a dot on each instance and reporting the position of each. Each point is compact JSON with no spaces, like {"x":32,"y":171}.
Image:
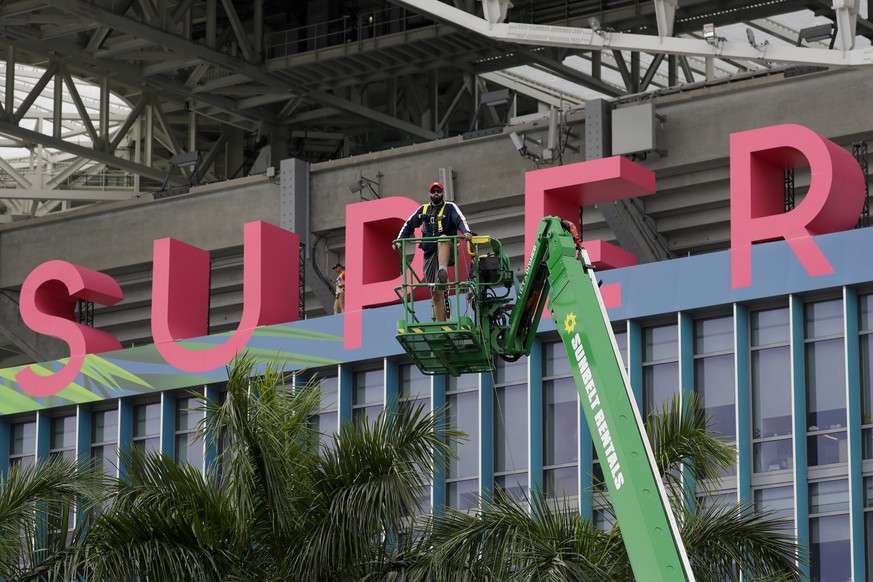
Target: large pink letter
{"x":373,"y":268}
{"x":48,"y":303}
{"x":180,"y":294}
{"x":833,"y":203}
{"x":562,"y":190}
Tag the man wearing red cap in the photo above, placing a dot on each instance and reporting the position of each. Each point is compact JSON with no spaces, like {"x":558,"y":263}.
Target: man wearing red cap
{"x":437,"y":218}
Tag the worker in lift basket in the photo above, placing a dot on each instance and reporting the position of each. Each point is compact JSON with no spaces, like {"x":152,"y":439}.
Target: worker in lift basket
{"x":436,"y":218}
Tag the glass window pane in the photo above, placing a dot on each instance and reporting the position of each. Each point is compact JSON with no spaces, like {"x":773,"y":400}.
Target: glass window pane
{"x":23,"y":438}
{"x":326,"y":423}
{"x":769,"y":327}
{"x":146,"y":419}
{"x":104,"y":426}
{"x":329,"y":396}
{"x":152,"y":445}
{"x":621,"y":341}
{"x":563,"y":482}
{"x":511,"y":372}
{"x":366,"y":414}
{"x":771,"y":392}
{"x":827,"y":449}
{"x":868,"y":491}
{"x":775,"y":455}
{"x":514,"y":486}
{"x":105,"y":458}
{"x":462,"y":494}
{"x":660,"y":343}
{"x":866,"y":311}
{"x":561,"y":409}
{"x":63,"y":433}
{"x":829,"y":496}
{"x":714,"y":384}
{"x":462,"y":382}
{"x":413,"y":384}
{"x":779,"y":501}
{"x":867,"y":379}
{"x":369,"y":387}
{"x":867,"y":443}
{"x":823,"y":319}
{"x":714,"y":335}
{"x":187,"y":417}
{"x":825,"y":384}
{"x":189,"y":448}
{"x":660,"y":382}
{"x":603,"y":519}
{"x":868,"y":544}
{"x":830,"y":551}
{"x":555,"y":361}
{"x":463,"y":415}
{"x":510,"y":426}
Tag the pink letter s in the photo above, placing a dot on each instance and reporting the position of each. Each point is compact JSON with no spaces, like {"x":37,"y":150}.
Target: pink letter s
{"x":48,"y":302}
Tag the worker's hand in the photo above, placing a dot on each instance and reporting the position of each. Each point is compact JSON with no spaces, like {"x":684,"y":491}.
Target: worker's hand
{"x":397,"y":247}
{"x":468,"y":236}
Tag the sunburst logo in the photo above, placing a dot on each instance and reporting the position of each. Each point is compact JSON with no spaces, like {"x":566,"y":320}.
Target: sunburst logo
{"x":570,"y":322}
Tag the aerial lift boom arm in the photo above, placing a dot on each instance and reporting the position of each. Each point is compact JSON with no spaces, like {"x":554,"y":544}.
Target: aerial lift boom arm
{"x":558,"y":272}
{"x":648,"y":527}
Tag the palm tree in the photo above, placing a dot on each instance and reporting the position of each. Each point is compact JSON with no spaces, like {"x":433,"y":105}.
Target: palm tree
{"x":546,"y":541}
{"x":36,"y":502}
{"x":275,"y":505}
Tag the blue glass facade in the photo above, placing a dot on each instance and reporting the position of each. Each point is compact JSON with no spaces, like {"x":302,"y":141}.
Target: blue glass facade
{"x":785,"y":369}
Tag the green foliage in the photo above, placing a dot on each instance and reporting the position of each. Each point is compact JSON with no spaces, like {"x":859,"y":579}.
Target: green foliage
{"x":275,"y":505}
{"x":36,"y":502}
{"x":549,"y":541}
{"x":282,"y":502}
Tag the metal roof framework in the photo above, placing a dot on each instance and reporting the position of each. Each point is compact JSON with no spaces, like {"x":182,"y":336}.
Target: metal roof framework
{"x":251,"y":83}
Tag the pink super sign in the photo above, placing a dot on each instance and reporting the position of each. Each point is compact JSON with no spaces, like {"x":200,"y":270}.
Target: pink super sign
{"x":180,"y":287}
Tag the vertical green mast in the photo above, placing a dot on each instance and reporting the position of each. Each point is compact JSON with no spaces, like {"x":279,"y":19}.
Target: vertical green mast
{"x":648,"y":527}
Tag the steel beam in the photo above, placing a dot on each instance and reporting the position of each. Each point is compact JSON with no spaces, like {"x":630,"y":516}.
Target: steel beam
{"x":588,"y":39}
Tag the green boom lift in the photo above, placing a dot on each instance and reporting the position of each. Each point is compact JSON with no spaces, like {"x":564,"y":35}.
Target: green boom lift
{"x":498,"y":322}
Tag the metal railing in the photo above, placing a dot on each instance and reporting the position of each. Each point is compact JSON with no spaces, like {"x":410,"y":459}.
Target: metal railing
{"x":346,"y":29}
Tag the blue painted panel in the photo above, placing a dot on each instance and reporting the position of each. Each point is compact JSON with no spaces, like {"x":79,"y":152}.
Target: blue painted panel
{"x":856,"y":481}
{"x":801,"y":489}
{"x":744,"y":407}
{"x":535,"y":416}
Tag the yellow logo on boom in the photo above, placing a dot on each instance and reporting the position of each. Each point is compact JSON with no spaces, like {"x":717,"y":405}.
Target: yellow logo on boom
{"x":570,"y":322}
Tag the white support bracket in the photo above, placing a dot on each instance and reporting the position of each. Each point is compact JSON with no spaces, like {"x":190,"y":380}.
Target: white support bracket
{"x":495,"y":10}
{"x":665,"y":14}
{"x":846,"y":12}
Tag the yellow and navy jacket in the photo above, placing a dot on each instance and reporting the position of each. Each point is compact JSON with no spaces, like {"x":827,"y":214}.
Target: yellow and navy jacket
{"x":445,"y":219}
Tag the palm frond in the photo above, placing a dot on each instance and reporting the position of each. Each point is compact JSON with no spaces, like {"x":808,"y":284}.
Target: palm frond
{"x":684,"y":447}
{"x":510,"y":541}
{"x":36,"y":499}
{"x":365,"y":486}
{"x":722,"y":539}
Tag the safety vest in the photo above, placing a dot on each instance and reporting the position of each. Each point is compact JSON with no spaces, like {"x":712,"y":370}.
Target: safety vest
{"x":428,"y":221}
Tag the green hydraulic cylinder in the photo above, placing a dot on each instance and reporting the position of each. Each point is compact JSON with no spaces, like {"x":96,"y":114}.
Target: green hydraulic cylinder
{"x":648,"y":527}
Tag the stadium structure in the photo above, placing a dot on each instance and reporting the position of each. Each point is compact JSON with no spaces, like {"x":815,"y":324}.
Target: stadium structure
{"x":713,"y":154}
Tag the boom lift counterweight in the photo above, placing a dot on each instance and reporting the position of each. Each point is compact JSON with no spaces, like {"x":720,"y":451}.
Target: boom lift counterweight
{"x":498,"y":323}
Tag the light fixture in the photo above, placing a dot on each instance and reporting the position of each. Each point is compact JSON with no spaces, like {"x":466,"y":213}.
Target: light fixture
{"x":709,"y":33}
{"x":595,"y":26}
{"x":364,"y":182}
{"x":750,"y":36}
